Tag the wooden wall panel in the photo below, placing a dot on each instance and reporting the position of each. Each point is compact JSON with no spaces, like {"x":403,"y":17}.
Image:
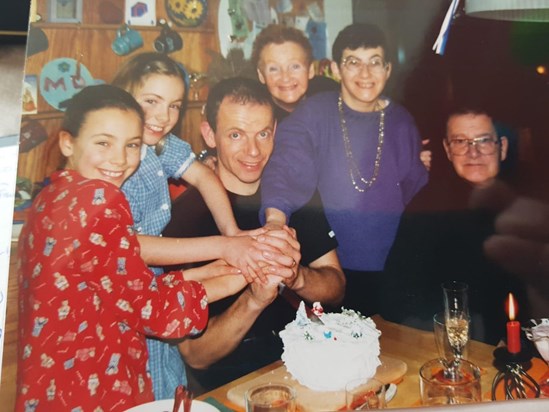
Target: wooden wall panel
{"x":90,"y":43}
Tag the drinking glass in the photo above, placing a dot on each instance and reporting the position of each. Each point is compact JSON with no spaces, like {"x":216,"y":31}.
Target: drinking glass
{"x":456,"y":317}
{"x":271,"y":397}
{"x":441,"y":339}
{"x":436,"y":389}
{"x":362,"y":395}
{"x":196,"y":82}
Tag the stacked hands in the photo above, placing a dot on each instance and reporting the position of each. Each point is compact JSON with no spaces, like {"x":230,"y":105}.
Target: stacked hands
{"x":262,"y":258}
{"x":521,"y":240}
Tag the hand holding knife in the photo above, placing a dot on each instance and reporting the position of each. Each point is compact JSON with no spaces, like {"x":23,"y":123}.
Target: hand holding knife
{"x":294,"y":299}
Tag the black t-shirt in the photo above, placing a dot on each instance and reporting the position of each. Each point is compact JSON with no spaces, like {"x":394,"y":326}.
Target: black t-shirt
{"x":261,"y":345}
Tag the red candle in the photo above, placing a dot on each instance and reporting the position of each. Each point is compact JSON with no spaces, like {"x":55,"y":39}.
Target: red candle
{"x":513,"y":326}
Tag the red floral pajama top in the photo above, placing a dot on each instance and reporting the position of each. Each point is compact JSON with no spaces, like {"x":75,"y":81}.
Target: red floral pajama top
{"x":87,"y":300}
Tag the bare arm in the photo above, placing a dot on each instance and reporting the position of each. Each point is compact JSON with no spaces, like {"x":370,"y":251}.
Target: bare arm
{"x":322,"y":280}
{"x":242,"y":252}
{"x":214,"y":195}
{"x":225,"y":331}
{"x":222,"y":286}
{"x":274,"y":218}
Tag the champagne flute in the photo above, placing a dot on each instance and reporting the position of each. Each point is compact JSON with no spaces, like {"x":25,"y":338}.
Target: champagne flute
{"x":456,"y":316}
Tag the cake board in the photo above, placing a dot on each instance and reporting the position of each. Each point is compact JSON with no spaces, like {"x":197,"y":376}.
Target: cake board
{"x":391,"y":370}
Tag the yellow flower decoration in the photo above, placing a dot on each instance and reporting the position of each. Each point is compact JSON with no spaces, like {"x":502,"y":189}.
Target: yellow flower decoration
{"x":193,"y":9}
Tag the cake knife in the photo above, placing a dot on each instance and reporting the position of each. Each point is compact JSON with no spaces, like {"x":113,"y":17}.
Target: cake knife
{"x":294,"y":299}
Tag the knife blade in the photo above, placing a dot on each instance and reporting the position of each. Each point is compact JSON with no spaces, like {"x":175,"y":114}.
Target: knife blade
{"x":294,"y":299}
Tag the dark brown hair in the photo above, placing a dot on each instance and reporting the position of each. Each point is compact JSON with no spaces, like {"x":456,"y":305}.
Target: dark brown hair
{"x":239,"y":90}
{"x":359,"y":35}
{"x":93,"y":98}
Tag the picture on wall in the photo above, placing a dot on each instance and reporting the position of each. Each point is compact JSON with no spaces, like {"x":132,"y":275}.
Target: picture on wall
{"x":29,"y":98}
{"x":141,"y":12}
{"x":65,"y":11}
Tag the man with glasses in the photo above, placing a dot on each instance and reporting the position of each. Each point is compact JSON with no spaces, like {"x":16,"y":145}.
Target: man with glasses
{"x":473,"y":147}
{"x":440,"y":238}
{"x":361,"y":150}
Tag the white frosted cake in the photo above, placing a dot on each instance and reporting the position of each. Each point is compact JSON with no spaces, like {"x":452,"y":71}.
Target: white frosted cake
{"x":326,"y":357}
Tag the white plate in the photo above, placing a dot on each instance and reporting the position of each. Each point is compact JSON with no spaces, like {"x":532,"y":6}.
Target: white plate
{"x":166,"y":405}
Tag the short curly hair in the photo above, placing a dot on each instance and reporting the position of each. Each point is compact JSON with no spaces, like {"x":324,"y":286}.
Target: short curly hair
{"x":278,"y":34}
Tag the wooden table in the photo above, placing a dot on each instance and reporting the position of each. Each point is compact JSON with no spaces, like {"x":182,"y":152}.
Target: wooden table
{"x":410,"y":345}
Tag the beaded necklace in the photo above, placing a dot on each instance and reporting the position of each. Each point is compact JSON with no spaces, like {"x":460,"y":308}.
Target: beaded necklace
{"x":354,"y":171}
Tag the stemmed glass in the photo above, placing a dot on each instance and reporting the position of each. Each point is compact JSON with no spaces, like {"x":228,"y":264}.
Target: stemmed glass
{"x":456,"y":316}
{"x":539,"y":334}
{"x":197,"y":81}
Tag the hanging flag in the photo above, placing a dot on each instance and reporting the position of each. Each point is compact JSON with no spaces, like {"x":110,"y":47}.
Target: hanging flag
{"x":440,"y":43}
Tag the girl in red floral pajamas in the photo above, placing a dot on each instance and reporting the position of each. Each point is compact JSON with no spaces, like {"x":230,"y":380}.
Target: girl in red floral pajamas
{"x":87,"y":299}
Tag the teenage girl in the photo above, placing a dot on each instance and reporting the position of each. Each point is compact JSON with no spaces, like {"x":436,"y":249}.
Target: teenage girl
{"x":87,"y":299}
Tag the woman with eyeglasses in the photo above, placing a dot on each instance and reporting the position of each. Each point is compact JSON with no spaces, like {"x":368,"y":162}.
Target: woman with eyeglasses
{"x":361,"y":150}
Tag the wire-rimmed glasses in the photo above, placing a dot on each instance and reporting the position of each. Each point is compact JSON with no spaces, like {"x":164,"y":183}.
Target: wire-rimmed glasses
{"x":375,"y":65}
{"x":485,"y":145}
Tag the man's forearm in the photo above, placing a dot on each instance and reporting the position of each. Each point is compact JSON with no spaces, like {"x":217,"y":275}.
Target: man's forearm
{"x":324,"y":285}
{"x":223,"y":334}
{"x":323,"y":281}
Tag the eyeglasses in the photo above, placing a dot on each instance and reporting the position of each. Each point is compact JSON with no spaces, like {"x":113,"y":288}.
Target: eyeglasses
{"x":375,"y":65}
{"x":485,"y":145}
{"x":275,"y":70}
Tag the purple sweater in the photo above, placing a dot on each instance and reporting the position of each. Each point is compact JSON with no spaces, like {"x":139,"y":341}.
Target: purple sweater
{"x":309,"y":154}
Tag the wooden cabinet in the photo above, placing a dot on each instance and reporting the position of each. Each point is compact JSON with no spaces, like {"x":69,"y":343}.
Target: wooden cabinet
{"x":89,"y":43}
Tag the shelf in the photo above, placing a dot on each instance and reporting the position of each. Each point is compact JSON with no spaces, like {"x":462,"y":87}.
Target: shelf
{"x":84,"y":26}
{"x":55,"y":114}
{"x":44,"y":115}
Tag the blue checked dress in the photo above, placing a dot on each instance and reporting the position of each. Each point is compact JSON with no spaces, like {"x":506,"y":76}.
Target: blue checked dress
{"x":149,"y":198}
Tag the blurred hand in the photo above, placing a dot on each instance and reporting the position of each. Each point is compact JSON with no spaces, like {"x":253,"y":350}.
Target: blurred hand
{"x":521,"y":240}
{"x":426,"y":155}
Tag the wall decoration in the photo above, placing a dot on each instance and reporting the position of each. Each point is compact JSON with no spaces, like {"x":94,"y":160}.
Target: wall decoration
{"x":32,"y":134}
{"x":110,"y":12}
{"x":61,"y":79}
{"x":65,"y":11}
{"x":169,"y":40}
{"x":126,"y":41}
{"x":141,"y":12}
{"x":37,"y":41}
{"x":30,"y":91}
{"x":187,"y":13}
{"x":241,"y":20}
{"x":239,"y":24}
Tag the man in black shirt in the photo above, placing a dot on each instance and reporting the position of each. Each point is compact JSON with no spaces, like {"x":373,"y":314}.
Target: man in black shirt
{"x":242,"y":333}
